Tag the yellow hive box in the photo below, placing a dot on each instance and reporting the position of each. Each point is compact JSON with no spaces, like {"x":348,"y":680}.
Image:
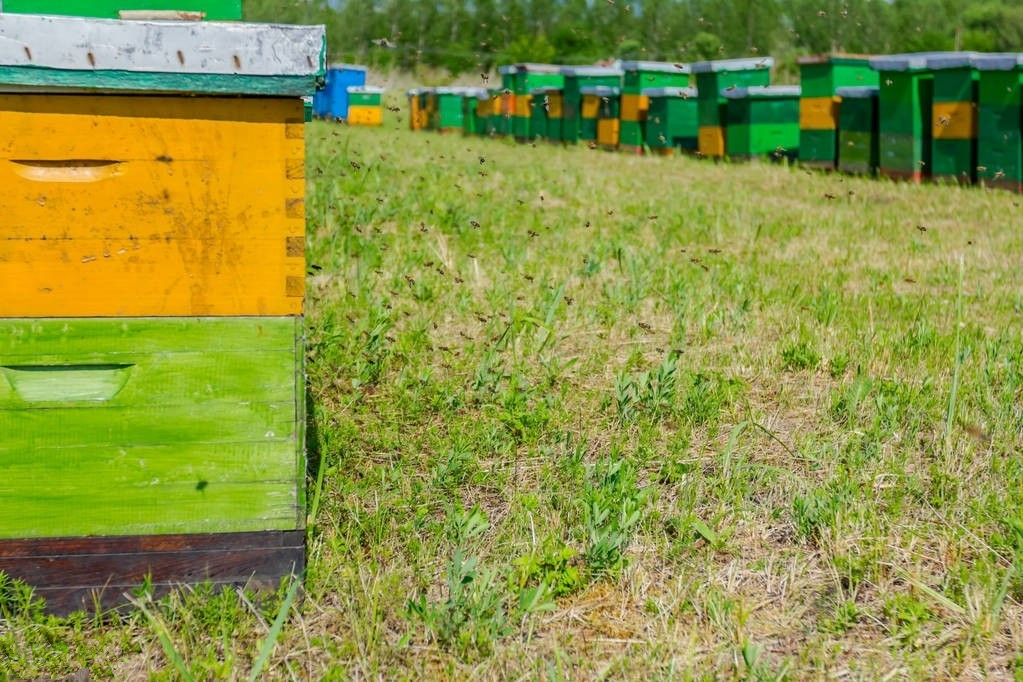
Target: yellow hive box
{"x":634,"y":107}
{"x":100,"y":195}
{"x":954,"y":120}
{"x":711,"y":140}
{"x":365,"y":115}
{"x":818,"y":113}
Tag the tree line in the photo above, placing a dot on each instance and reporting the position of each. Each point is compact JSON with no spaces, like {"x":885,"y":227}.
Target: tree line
{"x":475,"y":35}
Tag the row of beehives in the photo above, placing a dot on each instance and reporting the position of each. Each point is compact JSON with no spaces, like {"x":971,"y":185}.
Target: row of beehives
{"x":953,"y":115}
{"x":346,"y":97}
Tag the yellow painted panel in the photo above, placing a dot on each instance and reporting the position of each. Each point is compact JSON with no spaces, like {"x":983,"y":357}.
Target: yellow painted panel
{"x":634,"y":107}
{"x":608,"y":131}
{"x":365,"y":115}
{"x":151,"y":206}
{"x":522,"y":104}
{"x":414,"y":120}
{"x":954,"y":120}
{"x":590,"y":106}
{"x":711,"y":140}
{"x":818,"y":113}
{"x":555,"y":106}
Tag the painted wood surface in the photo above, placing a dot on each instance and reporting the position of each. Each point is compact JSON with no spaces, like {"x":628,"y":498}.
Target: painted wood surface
{"x":212,"y":9}
{"x":65,"y":52}
{"x":83,"y":572}
{"x":122,"y":426}
{"x":193,"y":205}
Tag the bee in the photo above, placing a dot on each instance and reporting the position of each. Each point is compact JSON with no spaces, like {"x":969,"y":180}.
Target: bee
{"x":569,"y":300}
{"x":532,"y":234}
{"x":645,"y":327}
{"x":921,"y":228}
{"x":474,"y":224}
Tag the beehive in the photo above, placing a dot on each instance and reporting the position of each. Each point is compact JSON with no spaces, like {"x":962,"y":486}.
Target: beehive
{"x":712,"y":78}
{"x":415,"y":119}
{"x":763,"y":121}
{"x":577,"y":77}
{"x":503,"y":109}
{"x":331,"y":102}
{"x":858,"y":139}
{"x":218,"y":10}
{"x":672,"y":120}
{"x":1000,"y":119}
{"x":365,"y":105}
{"x":151,"y":383}
{"x":473,"y":120}
{"x":637,"y":77}
{"x":905,"y":102}
{"x":820,"y":76}
{"x":954,"y":117}
{"x":445,"y":110}
{"x":528,"y":77}
{"x":606,"y":104}
{"x":540,"y":105}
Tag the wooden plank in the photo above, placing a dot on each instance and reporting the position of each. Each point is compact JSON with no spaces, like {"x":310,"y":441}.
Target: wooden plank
{"x":188,"y":440}
{"x":166,"y":197}
{"x":78,"y":573}
{"x":55,"y":51}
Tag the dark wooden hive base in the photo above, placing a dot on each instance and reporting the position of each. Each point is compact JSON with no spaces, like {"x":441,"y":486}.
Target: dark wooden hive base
{"x":74,"y":574}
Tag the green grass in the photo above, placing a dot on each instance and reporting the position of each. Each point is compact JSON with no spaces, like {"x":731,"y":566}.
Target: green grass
{"x":584,"y":415}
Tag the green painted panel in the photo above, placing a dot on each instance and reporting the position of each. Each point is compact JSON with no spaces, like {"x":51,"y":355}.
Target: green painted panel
{"x":821,"y":79}
{"x":672,"y":122}
{"x":999,"y":151}
{"x":818,"y":146}
{"x":903,"y":153}
{"x":762,"y":139}
{"x":588,"y":129}
{"x":751,"y":111}
{"x":215,"y":9}
{"x":635,"y":82}
{"x":526,"y":81}
{"x":631,"y":134}
{"x":49,"y":79}
{"x":137,"y":426}
{"x":857,"y":152}
{"x":955,"y":85}
{"x":954,"y":158}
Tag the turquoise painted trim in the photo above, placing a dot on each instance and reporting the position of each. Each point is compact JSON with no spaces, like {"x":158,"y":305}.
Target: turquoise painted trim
{"x":37,"y":78}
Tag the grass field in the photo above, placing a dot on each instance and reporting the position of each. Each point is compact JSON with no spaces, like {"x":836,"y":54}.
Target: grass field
{"x":578,"y":415}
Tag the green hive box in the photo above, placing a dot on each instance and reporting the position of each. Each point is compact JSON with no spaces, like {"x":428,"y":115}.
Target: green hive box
{"x":673,"y":120}
{"x":820,"y":76}
{"x":152,"y":408}
{"x":503,"y":109}
{"x":637,"y":77}
{"x":1000,"y":120}
{"x":576,"y":78}
{"x":446,"y":112}
{"x":539,"y":105}
{"x":214,"y":10}
{"x":472,"y":123}
{"x":528,"y":77}
{"x":763,"y":121}
{"x":905,"y":110}
{"x":711,"y":79}
{"x":954,"y":118}
{"x":858,"y":151}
